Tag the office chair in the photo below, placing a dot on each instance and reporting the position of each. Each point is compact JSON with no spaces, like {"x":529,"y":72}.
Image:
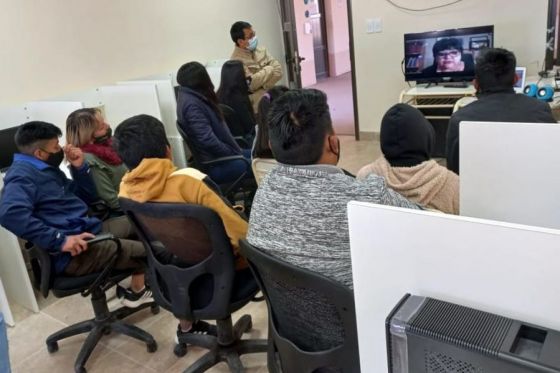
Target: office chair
{"x":94,"y":285}
{"x":235,"y":127}
{"x":312,"y":320}
{"x":261,"y":167}
{"x":243,"y":187}
{"x":191,"y":269}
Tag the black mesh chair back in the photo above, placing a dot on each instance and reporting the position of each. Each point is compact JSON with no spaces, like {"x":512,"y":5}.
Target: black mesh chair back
{"x":312,"y":319}
{"x":190,"y":260}
{"x":235,"y":126}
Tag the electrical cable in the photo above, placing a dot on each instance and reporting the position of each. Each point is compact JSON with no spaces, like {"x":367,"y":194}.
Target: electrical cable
{"x":422,"y":9}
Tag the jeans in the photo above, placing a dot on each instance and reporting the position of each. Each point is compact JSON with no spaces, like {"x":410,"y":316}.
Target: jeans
{"x":4,"y":356}
{"x":228,"y":172}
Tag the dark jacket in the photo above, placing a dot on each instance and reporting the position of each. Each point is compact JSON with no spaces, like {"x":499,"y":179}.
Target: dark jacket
{"x":41,"y":205}
{"x":207,"y":132}
{"x":495,"y":107}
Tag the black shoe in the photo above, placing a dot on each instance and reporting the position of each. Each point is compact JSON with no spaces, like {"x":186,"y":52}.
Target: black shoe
{"x":131,"y":299}
{"x":198,"y":327}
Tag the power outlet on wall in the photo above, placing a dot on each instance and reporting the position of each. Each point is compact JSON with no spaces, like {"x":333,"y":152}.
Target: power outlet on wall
{"x":374,"y":25}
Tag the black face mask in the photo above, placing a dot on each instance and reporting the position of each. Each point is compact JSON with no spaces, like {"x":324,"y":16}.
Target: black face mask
{"x":55,"y":159}
{"x":104,"y":138}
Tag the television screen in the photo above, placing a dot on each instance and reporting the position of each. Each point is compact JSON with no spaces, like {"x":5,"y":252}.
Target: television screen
{"x":447,"y":55}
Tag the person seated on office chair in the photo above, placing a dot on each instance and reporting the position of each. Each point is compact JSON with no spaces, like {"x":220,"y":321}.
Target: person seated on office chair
{"x":142,"y":144}
{"x":497,"y":101}
{"x":299,"y":210}
{"x":261,"y":69}
{"x":202,"y":121}
{"x":87,"y":129}
{"x":449,"y":57}
{"x":261,"y":148}
{"x":41,"y":205}
{"x":234,"y":92}
{"x":407,"y":140}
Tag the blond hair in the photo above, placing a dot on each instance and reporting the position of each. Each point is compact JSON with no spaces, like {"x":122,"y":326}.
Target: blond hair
{"x":81,"y":125}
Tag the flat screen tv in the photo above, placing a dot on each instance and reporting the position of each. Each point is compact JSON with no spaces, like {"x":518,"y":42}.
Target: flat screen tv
{"x":445,"y":56}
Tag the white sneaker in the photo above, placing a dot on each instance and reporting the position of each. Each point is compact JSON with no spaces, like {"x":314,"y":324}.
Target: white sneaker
{"x":131,"y":299}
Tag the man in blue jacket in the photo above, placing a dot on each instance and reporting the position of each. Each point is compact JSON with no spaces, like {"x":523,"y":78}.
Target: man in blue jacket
{"x":41,"y":205}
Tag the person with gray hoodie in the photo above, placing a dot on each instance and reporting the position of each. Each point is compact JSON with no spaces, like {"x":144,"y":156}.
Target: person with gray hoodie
{"x":407,"y":140}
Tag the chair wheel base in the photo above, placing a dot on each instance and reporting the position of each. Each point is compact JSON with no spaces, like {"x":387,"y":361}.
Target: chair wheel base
{"x":52,"y":347}
{"x":152,"y":346}
{"x":180,"y":349}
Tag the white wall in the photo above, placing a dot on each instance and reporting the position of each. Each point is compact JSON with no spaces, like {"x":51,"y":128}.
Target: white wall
{"x":520,"y":25}
{"x":54,"y":47}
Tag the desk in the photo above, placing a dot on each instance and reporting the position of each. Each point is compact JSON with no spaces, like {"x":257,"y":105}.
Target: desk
{"x":436,"y":103}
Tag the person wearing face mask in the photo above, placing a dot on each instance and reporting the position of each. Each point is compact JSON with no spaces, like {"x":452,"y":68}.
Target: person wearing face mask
{"x":86,"y":129}
{"x":41,"y":205}
{"x":261,"y":69}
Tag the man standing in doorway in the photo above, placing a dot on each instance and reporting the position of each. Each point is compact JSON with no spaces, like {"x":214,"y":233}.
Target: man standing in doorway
{"x":262,"y":70}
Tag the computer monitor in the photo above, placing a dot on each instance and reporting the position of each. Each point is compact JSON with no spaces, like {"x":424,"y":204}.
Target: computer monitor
{"x":521,"y":72}
{"x":448,"y":55}
{"x":7,"y":147}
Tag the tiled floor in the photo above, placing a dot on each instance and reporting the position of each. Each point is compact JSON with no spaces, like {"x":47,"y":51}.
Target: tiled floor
{"x":339,"y":95}
{"x":116,"y":353}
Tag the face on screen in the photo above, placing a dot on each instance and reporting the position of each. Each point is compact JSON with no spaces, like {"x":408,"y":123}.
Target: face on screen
{"x":449,"y":60}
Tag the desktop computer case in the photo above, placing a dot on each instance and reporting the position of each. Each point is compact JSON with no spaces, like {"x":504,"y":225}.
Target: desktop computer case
{"x":431,"y":336}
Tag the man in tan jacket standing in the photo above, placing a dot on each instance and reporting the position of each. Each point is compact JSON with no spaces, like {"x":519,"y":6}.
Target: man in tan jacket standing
{"x":262,"y":70}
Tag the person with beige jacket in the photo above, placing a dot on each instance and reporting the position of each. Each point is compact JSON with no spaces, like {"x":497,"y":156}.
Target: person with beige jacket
{"x":261,"y":69}
{"x":407,"y":140}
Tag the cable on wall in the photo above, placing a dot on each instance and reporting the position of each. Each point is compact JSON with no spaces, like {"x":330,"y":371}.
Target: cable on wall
{"x":422,"y":9}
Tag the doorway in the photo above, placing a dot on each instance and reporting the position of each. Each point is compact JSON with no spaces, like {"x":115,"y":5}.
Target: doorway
{"x":319,"y":54}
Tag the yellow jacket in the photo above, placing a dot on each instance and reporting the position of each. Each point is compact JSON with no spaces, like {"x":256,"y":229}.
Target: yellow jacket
{"x":158,"y":180}
{"x":263,"y":70}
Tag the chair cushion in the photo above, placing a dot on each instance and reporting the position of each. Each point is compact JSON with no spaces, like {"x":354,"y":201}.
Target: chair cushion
{"x":64,"y":286}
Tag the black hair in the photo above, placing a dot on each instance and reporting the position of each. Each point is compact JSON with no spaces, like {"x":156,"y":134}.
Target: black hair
{"x":262,"y":149}
{"x":233,"y":82}
{"x":139,"y":137}
{"x":447,"y":43}
{"x":236,"y":32}
{"x":298,"y":122}
{"x":495,"y":69}
{"x":193,"y":75}
{"x":30,"y":134}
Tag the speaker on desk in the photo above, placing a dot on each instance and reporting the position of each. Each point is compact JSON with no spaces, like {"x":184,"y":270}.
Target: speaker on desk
{"x":545,"y":93}
{"x":531,"y":90}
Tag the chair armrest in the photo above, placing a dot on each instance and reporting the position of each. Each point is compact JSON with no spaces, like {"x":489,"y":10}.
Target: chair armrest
{"x":101,"y":237}
{"x":99,"y":209}
{"x":241,"y":141}
{"x":100,"y":280}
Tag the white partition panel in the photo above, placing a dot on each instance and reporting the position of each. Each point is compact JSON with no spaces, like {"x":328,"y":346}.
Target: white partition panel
{"x":508,"y":269}
{"x":13,"y":116}
{"x":13,"y":272}
{"x":124,"y":101}
{"x":511,"y":172}
{"x":89,"y":98}
{"x":54,"y":112}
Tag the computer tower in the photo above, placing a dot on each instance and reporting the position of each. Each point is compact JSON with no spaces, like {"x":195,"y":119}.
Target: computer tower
{"x":426,"y":335}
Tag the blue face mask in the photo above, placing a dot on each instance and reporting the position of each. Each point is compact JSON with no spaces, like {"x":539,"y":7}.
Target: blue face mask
{"x":253,"y":44}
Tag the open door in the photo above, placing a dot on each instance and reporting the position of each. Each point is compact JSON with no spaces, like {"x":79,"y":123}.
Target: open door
{"x":320,"y":54}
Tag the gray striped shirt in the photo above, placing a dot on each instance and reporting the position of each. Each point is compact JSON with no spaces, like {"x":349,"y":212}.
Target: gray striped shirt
{"x":299,"y":215}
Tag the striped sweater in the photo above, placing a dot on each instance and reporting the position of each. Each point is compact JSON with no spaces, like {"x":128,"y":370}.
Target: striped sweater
{"x":299,"y":215}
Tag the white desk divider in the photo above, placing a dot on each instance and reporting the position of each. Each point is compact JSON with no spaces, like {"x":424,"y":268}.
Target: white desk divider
{"x":89,"y":98}
{"x":168,"y":108}
{"x":13,"y":116}
{"x":54,"y":112}
{"x":507,"y":269}
{"x":511,"y":172}
{"x":5,"y":306}
{"x":124,"y":101}
{"x":13,"y":272}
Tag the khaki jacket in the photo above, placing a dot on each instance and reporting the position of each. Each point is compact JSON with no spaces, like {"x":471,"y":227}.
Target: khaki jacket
{"x":263,"y":70}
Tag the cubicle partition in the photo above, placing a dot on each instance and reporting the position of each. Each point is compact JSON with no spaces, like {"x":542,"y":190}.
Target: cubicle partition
{"x":503,"y":268}
{"x":511,"y":172}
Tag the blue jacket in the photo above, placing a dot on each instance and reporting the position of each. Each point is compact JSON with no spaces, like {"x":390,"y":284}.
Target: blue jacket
{"x":207,"y":132}
{"x":41,"y":205}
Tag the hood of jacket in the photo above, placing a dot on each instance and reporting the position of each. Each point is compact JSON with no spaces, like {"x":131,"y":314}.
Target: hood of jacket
{"x":147,"y":181}
{"x":407,"y":138}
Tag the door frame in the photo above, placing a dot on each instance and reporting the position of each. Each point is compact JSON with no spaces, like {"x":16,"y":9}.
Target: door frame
{"x":287,"y":18}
